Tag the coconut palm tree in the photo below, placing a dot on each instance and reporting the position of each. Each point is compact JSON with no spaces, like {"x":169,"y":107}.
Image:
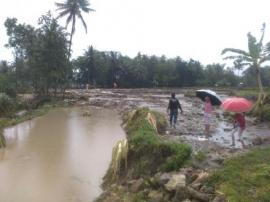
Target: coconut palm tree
{"x":73,"y":9}
{"x":256,"y":55}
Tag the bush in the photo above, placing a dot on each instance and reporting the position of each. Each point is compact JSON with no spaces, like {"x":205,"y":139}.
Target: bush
{"x":6,"y":105}
{"x":148,"y":154}
{"x":265,"y":113}
{"x":7,"y":87}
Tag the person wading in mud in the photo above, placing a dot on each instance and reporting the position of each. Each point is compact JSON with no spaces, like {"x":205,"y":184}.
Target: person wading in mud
{"x":239,"y":125}
{"x":207,"y":116}
{"x":172,"y":109}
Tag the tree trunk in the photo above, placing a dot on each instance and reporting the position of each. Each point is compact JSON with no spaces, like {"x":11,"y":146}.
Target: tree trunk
{"x":71,"y":36}
{"x":261,"y":97}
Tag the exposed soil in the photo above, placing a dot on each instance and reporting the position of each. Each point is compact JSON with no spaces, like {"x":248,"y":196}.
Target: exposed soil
{"x":190,"y":128}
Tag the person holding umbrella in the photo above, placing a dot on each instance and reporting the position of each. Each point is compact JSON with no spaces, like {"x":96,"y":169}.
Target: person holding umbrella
{"x":239,"y":106}
{"x":210,"y":99}
{"x":172,"y":109}
{"x":207,"y":116}
{"x":240,"y":125}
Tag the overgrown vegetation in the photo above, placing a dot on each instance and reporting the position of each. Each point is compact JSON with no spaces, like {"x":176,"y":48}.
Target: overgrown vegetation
{"x":147,"y":153}
{"x":251,"y":93}
{"x":41,"y":56}
{"x":9,"y":107}
{"x":245,"y":178}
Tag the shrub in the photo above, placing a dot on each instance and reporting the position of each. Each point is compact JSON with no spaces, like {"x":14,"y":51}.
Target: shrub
{"x":265,"y":113}
{"x":148,"y":153}
{"x":6,"y":86}
{"x":6,"y":105}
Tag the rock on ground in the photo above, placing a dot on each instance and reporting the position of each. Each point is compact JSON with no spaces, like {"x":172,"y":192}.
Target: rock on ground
{"x":176,"y":181}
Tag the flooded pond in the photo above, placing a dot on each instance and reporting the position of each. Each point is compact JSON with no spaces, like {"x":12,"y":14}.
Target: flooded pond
{"x":60,"y":157}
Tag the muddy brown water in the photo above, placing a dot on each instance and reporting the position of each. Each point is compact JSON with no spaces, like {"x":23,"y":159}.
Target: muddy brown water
{"x":60,"y":157}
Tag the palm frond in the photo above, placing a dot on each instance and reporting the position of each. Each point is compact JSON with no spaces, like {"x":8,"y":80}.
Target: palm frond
{"x":239,"y":58}
{"x":73,"y":25}
{"x":62,"y":14}
{"x":83,"y":22}
{"x":234,"y":50}
{"x":61,"y":6}
{"x":267,"y":48}
{"x":263,"y":31}
{"x":264,"y":59}
{"x":69,"y":18}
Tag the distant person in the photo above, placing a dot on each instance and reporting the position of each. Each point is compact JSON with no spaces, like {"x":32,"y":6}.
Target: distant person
{"x":172,"y":109}
{"x":115,"y":85}
{"x":207,"y":116}
{"x":239,"y":125}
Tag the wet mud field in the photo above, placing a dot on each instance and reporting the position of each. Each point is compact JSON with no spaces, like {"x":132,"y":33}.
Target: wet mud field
{"x":189,"y":128}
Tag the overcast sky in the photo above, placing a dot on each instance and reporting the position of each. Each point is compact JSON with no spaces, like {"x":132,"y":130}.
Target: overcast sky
{"x":197,"y":29}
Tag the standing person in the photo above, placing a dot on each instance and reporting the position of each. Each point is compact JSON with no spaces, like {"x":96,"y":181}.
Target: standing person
{"x":207,"y":117}
{"x":172,"y":109}
{"x":239,"y":125}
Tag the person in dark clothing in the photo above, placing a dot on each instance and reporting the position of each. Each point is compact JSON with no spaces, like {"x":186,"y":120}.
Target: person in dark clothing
{"x":172,"y":109}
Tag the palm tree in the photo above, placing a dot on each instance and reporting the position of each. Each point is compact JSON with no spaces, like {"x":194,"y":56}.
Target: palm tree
{"x":256,"y":55}
{"x":73,"y":9}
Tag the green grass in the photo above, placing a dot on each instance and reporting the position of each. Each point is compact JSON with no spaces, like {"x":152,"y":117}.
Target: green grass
{"x":245,"y":178}
{"x":11,"y":119}
{"x":5,"y":122}
{"x":250,"y":93}
{"x":200,"y":155}
{"x":148,"y":153}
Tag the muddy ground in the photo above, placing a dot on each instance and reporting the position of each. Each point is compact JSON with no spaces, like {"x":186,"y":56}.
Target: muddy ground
{"x":190,"y":128}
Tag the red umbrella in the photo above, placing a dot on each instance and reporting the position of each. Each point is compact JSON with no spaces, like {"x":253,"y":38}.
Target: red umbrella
{"x":237,"y":105}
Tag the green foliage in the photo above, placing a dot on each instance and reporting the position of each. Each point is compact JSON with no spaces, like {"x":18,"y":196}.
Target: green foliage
{"x":245,"y":178}
{"x":6,"y":85}
{"x":148,"y":153}
{"x":73,"y":9}
{"x":41,"y":60}
{"x":256,"y":55}
{"x":147,"y":71}
{"x":139,"y":197}
{"x":264,"y":112}
{"x":7,"y":105}
{"x":200,"y":155}
{"x":179,"y":154}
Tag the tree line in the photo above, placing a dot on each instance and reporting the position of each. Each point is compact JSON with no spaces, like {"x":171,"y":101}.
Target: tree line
{"x":103,"y":69}
{"x":42,"y":65}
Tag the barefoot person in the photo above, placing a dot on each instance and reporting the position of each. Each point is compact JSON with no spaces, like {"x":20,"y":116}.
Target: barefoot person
{"x":207,"y":116}
{"x":239,"y":125}
{"x":172,"y":109}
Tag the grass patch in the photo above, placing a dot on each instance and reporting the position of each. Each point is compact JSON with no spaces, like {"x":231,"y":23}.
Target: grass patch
{"x":251,"y":93}
{"x":11,"y":119}
{"x":245,"y":178}
{"x":200,"y":155}
{"x":5,"y":122}
{"x":148,"y":154}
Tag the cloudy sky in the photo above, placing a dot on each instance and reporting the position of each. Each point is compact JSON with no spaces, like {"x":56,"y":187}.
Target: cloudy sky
{"x":197,"y":29}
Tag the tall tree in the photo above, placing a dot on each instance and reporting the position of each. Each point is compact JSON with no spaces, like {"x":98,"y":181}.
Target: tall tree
{"x":41,"y":55}
{"x":73,"y":9}
{"x":90,"y":63}
{"x":253,"y":58}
